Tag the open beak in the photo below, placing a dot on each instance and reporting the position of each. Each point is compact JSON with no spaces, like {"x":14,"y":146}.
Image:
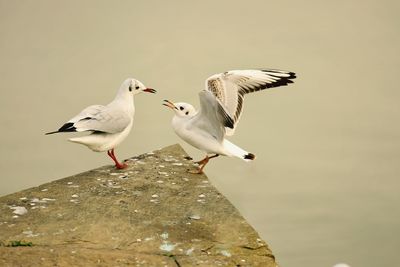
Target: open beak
{"x":150,"y":90}
{"x":169,"y":104}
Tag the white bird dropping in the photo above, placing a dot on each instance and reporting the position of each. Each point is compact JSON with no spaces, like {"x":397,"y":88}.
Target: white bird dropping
{"x":108,"y":125}
{"x":221,"y":106}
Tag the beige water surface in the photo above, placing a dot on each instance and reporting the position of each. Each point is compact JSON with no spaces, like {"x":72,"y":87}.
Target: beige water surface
{"x":325,"y":186}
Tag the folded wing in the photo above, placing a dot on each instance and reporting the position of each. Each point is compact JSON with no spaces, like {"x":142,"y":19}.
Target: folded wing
{"x":97,"y":118}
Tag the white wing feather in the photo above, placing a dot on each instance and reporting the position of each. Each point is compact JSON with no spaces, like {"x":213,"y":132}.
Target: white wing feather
{"x":87,"y":112}
{"x":231,"y":86}
{"x":98,"y":118}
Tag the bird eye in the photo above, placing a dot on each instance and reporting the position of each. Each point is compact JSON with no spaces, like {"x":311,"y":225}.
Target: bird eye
{"x":187,"y":113}
{"x":130,"y":88}
{"x":137,"y":87}
{"x":181,"y":108}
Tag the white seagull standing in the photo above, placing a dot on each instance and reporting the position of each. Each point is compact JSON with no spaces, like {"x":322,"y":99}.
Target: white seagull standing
{"x":221,"y":105}
{"x":108,"y":125}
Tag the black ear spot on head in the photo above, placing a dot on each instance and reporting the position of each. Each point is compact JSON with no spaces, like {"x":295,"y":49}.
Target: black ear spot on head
{"x":181,"y":108}
{"x":130,"y":88}
{"x":187,"y":113}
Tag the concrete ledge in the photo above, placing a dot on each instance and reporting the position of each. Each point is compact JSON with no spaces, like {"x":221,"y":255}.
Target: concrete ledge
{"x":153,"y":213}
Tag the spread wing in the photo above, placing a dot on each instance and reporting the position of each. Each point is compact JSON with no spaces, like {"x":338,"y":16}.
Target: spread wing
{"x":230,"y":87}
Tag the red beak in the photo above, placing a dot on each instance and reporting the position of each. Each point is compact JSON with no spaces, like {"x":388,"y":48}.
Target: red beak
{"x":150,"y":90}
{"x":169,"y":104}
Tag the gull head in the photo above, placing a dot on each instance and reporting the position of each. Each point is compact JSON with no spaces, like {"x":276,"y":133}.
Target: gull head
{"x":134,"y":87}
{"x":181,"y":109}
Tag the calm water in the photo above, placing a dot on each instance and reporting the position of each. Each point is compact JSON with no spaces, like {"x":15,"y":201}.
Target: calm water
{"x":325,"y":186}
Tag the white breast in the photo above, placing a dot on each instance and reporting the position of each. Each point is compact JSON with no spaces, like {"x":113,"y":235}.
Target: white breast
{"x":100,"y":142}
{"x":200,"y":139}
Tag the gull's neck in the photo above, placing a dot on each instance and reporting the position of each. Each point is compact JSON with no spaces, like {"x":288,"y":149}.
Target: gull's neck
{"x":124,"y":98}
{"x":123,"y":95}
{"x":123,"y":91}
{"x":180,"y":121}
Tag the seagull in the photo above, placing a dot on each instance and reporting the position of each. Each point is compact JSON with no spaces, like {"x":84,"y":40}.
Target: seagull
{"x":221,"y":106}
{"x":108,"y":125}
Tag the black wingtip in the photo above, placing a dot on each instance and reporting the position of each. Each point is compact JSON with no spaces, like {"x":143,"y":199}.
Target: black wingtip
{"x":229,"y":122}
{"x":292,"y":76}
{"x":226,"y":119}
{"x":250,"y":156}
{"x":282,"y":81}
{"x":67,"y":127}
{"x":51,"y":132}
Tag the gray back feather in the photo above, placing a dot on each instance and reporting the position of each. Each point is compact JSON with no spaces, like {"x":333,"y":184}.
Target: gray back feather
{"x":107,"y":119}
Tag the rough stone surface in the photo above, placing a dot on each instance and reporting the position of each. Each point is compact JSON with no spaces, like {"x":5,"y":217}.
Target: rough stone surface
{"x":154,"y":213}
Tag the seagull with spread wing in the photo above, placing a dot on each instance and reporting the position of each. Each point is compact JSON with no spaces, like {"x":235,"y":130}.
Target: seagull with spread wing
{"x":221,"y":105}
{"x":108,"y":125}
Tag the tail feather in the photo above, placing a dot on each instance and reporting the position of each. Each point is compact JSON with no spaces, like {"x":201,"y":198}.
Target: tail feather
{"x":235,"y":151}
{"x":250,"y":156}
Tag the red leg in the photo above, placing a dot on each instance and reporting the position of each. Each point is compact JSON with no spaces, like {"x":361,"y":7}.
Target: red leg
{"x":203,"y":163}
{"x":200,"y":162}
{"x":206,"y":159}
{"x":114,"y":158}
